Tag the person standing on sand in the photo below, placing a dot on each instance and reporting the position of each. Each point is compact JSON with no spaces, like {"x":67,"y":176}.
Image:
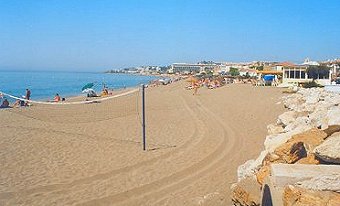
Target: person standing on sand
{"x":27,"y":96}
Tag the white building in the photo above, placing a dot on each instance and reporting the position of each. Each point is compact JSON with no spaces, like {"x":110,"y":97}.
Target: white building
{"x":187,"y":68}
{"x":308,"y":62}
{"x":298,"y":74}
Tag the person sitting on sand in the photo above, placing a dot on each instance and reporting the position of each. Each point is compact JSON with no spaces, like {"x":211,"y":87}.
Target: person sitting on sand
{"x":57,"y":98}
{"x":19,"y":103}
{"x":105,"y":92}
{"x":5,"y":104}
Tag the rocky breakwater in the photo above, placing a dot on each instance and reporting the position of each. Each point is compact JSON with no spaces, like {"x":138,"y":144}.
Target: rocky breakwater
{"x":307,"y":133}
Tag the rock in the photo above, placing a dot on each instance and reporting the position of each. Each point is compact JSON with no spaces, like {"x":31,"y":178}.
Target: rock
{"x":287,"y":153}
{"x":300,"y":122}
{"x":310,"y":138}
{"x":317,"y":117}
{"x":333,"y":116}
{"x":296,"y":148}
{"x":311,"y":159}
{"x":246,"y":192}
{"x":328,"y":151}
{"x":332,"y":129}
{"x":296,"y":196}
{"x":274,"y":129}
{"x":251,"y":167}
{"x":274,"y":141}
{"x":287,"y":117}
{"x":322,"y":182}
{"x":262,"y":174}
{"x":312,"y":98}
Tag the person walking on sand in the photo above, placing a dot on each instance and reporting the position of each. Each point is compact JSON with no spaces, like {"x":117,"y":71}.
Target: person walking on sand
{"x":196,"y":85}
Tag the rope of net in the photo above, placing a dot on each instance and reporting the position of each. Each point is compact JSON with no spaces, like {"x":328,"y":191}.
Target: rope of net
{"x":71,"y":103}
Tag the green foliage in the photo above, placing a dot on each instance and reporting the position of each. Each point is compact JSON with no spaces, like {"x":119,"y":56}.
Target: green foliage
{"x":259,"y":68}
{"x":234,"y":71}
{"x":311,"y":84}
{"x":318,"y":72}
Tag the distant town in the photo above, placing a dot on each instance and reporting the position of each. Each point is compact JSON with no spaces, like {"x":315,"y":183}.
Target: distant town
{"x":228,"y":68}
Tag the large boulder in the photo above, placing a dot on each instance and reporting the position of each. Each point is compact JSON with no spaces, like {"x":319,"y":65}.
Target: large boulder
{"x":262,"y":174}
{"x":331,"y":129}
{"x":310,"y":138}
{"x":296,"y":148}
{"x":322,"y":182}
{"x":333,"y":116}
{"x":297,"y":196}
{"x":246,"y":192}
{"x":274,"y":129}
{"x":274,"y":141}
{"x":251,"y":167}
{"x":311,"y":159}
{"x":312,"y":98}
{"x":329,"y":150}
{"x":318,"y":117}
{"x":300,"y":122}
{"x":287,"y":117}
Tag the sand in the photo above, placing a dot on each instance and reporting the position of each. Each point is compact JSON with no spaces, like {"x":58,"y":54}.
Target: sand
{"x":92,"y":154}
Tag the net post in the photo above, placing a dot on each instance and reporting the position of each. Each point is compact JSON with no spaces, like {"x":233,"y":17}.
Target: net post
{"x":143,"y":117}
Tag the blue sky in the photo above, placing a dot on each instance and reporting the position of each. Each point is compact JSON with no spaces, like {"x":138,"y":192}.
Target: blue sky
{"x":95,"y":35}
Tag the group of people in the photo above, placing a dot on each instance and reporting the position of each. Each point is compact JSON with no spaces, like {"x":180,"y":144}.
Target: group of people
{"x":18,"y":103}
{"x":25,"y":101}
{"x":210,"y":83}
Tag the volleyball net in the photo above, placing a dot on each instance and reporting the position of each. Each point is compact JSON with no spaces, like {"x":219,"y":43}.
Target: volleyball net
{"x":117,"y":116}
{"x":79,"y":109}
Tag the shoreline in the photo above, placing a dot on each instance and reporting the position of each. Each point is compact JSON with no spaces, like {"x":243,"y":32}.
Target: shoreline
{"x":78,"y":94}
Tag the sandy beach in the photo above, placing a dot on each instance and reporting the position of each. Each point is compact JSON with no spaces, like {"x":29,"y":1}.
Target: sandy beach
{"x":92,"y":154}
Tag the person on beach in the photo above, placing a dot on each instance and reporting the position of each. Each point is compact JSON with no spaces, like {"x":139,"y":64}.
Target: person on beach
{"x":105,"y":92}
{"x":57,"y":98}
{"x":5,"y":104}
{"x":27,"y":96}
{"x":196,"y":85}
{"x":19,"y":103}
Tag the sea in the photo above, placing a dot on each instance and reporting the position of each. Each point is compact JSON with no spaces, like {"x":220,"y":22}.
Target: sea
{"x":44,"y":85}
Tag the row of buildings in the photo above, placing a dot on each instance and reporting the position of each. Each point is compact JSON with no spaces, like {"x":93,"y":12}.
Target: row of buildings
{"x":286,"y":72}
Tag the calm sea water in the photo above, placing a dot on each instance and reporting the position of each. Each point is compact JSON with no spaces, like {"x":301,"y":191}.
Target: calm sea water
{"x":44,"y":85}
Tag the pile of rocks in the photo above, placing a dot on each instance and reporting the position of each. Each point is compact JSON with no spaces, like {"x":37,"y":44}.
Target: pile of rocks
{"x":308,"y":133}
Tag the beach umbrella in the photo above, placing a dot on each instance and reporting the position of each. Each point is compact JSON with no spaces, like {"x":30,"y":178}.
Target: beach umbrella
{"x":88,"y":90}
{"x":87,"y":86}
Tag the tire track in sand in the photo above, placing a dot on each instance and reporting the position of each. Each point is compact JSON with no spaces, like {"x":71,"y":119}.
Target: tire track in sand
{"x":158,"y":189}
{"x":63,"y":186}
